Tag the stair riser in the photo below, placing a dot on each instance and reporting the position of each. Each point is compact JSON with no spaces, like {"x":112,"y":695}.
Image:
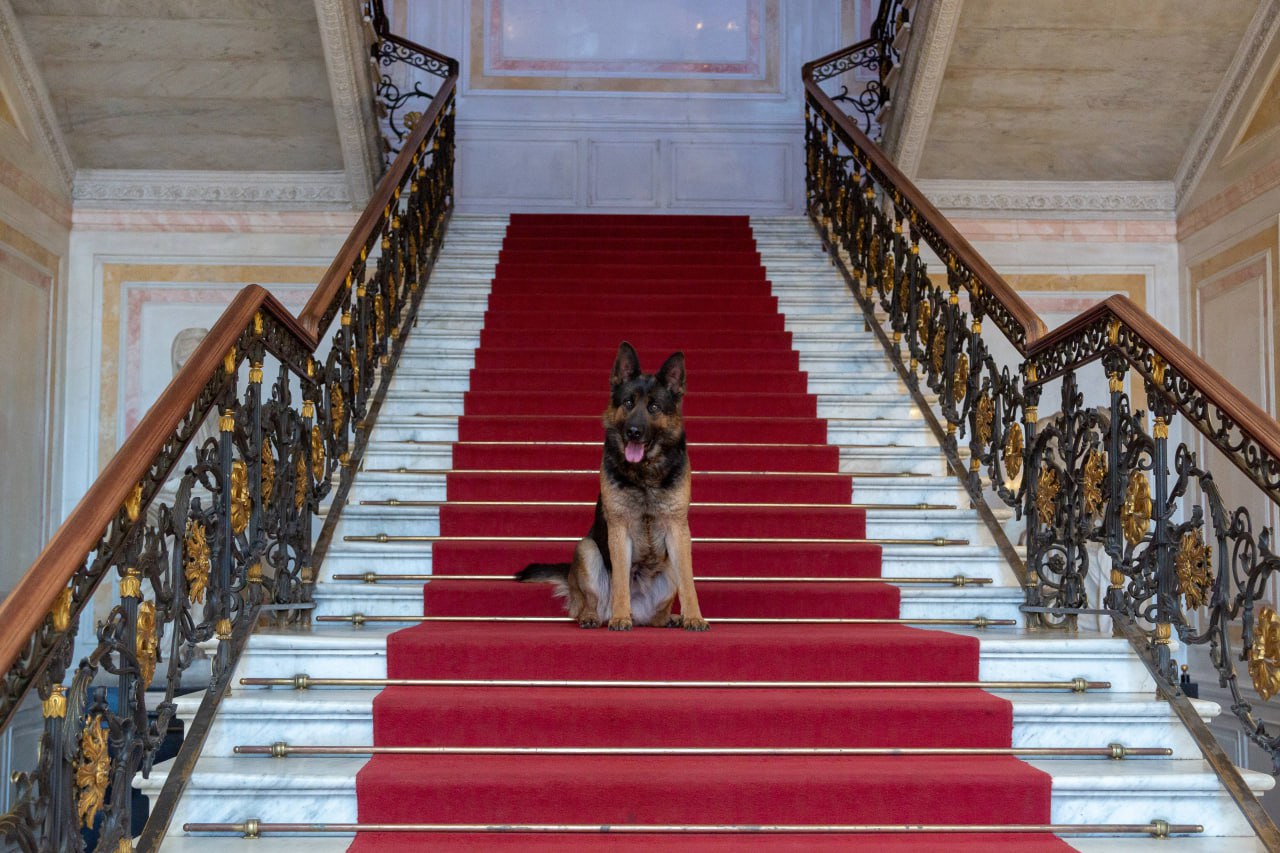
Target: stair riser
{"x":266,"y":797}
{"x":924,"y":460}
{"x":242,"y":721}
{"x":449,"y":403}
{"x":360,"y":520}
{"x":340,"y":599}
{"x":938,"y":491}
{"x":1001,"y":661}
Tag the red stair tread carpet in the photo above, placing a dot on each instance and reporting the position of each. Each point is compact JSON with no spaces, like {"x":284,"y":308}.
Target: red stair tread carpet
{"x":566,"y":291}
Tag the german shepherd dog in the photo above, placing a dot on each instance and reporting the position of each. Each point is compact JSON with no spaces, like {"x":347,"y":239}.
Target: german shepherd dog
{"x":637,"y":557}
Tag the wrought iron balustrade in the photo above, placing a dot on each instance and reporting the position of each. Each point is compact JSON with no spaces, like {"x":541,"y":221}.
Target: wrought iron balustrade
{"x":401,"y":68}
{"x":870,"y":62}
{"x":205,"y":554}
{"x":1097,"y":490}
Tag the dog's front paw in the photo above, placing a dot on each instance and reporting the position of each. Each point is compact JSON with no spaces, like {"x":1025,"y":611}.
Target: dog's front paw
{"x":698,"y":624}
{"x":675,"y":620}
{"x":620,"y":623}
{"x":588,"y":622}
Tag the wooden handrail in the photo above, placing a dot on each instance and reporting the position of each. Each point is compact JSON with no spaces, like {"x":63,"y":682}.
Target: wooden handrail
{"x":1251,"y":419}
{"x":318,"y":312}
{"x":1216,"y":389}
{"x":29,"y":603}
{"x":951,"y":239}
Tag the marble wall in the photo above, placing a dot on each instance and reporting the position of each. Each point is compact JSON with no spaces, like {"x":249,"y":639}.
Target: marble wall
{"x":35,"y":219}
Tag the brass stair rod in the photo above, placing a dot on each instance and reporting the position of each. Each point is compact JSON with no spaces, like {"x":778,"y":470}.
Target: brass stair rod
{"x":359,"y":619}
{"x":442,"y":442}
{"x":1113,"y":751}
{"x":302,"y":681}
{"x":416,"y":503}
{"x":384,"y":538}
{"x":253,"y":827}
{"x":957,"y":580}
{"x":877,"y":475}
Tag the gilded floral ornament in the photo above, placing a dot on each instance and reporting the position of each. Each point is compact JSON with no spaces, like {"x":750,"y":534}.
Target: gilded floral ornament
{"x":922,"y":321}
{"x":337,"y":408}
{"x":133,"y":503}
{"x":93,"y":772}
{"x":239,"y":496}
{"x":1135,"y":515}
{"x":147,"y":642}
{"x":380,"y":316}
{"x":960,"y":383}
{"x":984,"y":417}
{"x":195,"y":560}
{"x":300,"y":482}
{"x":1264,"y":654}
{"x":60,"y":613}
{"x":355,"y":367}
{"x":268,"y":471}
{"x":1013,"y":450}
{"x":1192,"y":565}
{"x":1047,"y":488}
{"x":938,"y":351}
{"x":1095,"y":471}
{"x":317,"y":453}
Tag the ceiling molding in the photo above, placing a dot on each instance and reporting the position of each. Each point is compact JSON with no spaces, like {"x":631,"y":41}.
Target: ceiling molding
{"x":1244,"y":66}
{"x":927,"y":54}
{"x":148,"y":190}
{"x":343,"y":35}
{"x":35,"y":97}
{"x":1054,"y":199}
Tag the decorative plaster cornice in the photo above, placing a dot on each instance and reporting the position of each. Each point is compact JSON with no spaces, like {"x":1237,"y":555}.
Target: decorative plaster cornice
{"x":35,"y":97}
{"x":342,"y":33}
{"x":1056,"y":199}
{"x":127,"y":188}
{"x":1257,"y":39}
{"x":925,"y":64}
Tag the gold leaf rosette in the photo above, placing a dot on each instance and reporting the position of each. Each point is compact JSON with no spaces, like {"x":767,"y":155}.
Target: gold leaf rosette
{"x":1264,"y":654}
{"x":93,"y":772}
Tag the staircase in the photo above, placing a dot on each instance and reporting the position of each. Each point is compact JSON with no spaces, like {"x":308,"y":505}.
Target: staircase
{"x":820,"y":495}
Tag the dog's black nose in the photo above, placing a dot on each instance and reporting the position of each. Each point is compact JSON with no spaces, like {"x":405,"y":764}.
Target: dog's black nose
{"x":634,"y":433}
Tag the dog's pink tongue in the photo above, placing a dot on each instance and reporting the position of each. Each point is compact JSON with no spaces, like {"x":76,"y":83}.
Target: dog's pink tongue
{"x":635,"y":451}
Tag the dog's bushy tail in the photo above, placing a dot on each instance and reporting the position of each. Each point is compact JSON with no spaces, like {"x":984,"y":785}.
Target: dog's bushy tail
{"x":556,"y":573}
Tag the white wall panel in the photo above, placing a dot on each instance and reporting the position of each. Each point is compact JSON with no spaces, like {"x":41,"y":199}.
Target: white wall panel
{"x":718,"y":174}
{"x":624,"y":173}
{"x":510,"y":170}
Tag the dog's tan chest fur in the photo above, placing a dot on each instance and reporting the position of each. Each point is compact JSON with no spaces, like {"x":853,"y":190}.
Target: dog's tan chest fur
{"x":650,"y":517}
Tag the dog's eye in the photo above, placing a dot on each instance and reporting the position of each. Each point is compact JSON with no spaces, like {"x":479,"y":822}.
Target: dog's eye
{"x":630,"y":403}
{"x":653,"y":408}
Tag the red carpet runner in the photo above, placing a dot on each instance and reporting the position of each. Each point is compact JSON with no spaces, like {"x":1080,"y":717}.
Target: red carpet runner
{"x":567,"y":289}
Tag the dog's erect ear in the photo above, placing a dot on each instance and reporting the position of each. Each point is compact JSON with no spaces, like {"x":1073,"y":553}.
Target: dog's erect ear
{"x":672,"y":373}
{"x":626,"y":366}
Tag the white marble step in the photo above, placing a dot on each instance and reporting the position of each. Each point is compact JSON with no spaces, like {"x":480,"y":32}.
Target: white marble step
{"x":835,"y":407}
{"x":908,"y":523}
{"x":308,"y":789}
{"x":899,"y":491}
{"x":909,"y":561}
{"x":949,"y":602}
{"x":919,"y":459}
{"x":906,"y":428}
{"x":1011,"y":655}
{"x":344,"y":718}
